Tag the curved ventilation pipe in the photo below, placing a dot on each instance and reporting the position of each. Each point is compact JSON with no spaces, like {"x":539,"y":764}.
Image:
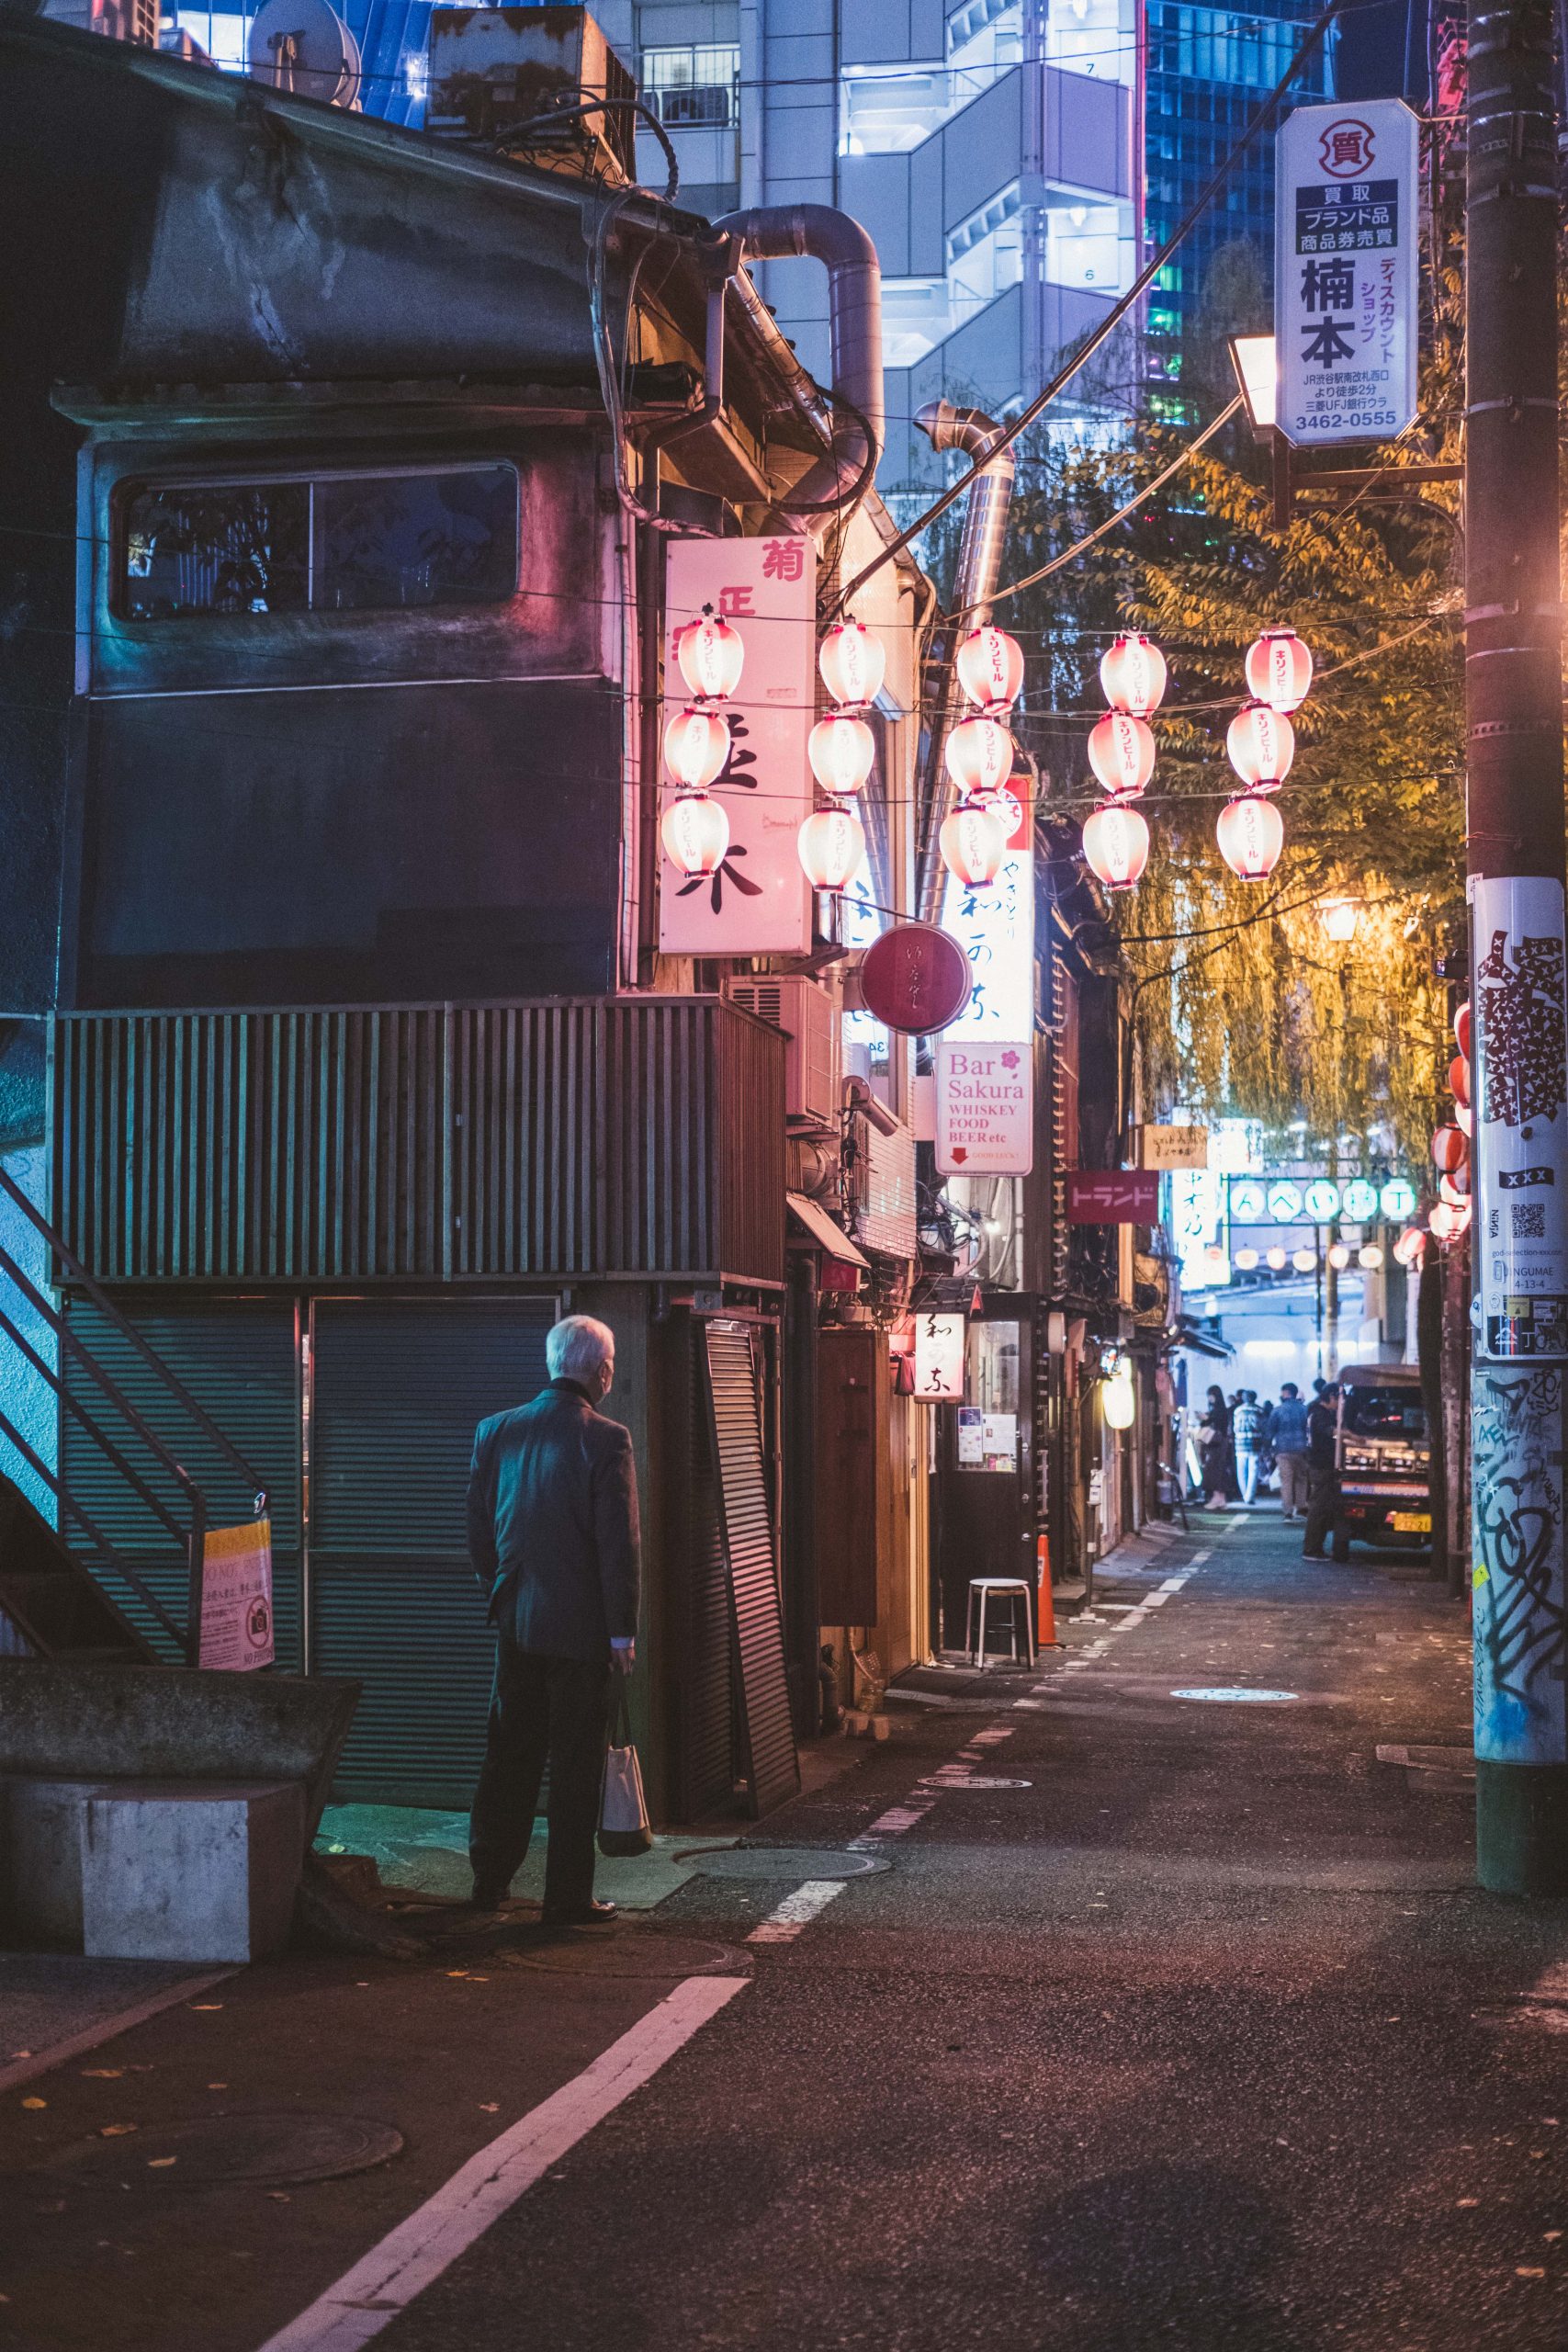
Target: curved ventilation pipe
{"x":979,"y":560}
{"x":820,"y":233}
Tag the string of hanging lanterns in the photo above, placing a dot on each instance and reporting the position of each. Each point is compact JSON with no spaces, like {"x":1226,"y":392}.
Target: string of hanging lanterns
{"x":1121,"y":753}
{"x":1261,"y":742}
{"x":1450,"y":1217}
{"x":843,"y":751}
{"x":695,"y":828}
{"x":980,"y":757}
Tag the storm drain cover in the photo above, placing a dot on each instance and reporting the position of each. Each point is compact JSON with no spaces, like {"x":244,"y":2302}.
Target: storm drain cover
{"x":787,"y":1861}
{"x":636,"y":1952}
{"x":1239,"y":1697}
{"x":226,"y":2151}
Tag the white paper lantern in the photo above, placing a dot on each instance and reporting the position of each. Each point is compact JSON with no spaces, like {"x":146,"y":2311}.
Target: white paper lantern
{"x":990,"y":669}
{"x":1279,"y":669}
{"x":973,"y":843}
{"x":853,"y":662}
{"x":842,"y":752}
{"x":696,"y":745}
{"x":710,"y":654}
{"x":1122,"y":753}
{"x":1116,"y":846}
{"x":832,"y":844}
{"x":979,"y":755}
{"x":695,"y":833}
{"x":1251,"y":834}
{"x":1132,"y":674}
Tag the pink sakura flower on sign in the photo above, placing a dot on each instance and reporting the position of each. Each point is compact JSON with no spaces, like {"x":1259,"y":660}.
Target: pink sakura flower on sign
{"x":1009,"y":1061}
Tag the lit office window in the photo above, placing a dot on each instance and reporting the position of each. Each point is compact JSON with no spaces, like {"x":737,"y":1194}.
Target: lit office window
{"x":1219,"y":45}
{"x":1092,"y":37}
{"x":694,"y":89}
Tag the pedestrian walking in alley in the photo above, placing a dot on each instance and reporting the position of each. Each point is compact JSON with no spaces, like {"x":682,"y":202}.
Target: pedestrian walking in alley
{"x":1323,"y":1479}
{"x":1246,"y":1426}
{"x":1289,"y":1435}
{"x":1214,"y":1445}
{"x":554,"y":1539}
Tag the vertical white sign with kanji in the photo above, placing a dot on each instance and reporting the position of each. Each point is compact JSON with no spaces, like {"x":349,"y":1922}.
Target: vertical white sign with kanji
{"x":995,"y":926}
{"x":1347,"y":248}
{"x":938,"y":1358}
{"x":759,"y":902}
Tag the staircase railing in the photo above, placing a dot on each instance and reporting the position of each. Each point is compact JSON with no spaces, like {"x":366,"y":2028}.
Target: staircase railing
{"x":187,"y":1521}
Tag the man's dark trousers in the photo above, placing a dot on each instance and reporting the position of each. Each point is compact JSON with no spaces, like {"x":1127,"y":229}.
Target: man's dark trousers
{"x":542,"y":1707}
{"x":1323,"y":1507}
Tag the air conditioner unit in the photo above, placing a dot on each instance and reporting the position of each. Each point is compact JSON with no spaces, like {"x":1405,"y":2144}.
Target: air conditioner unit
{"x":492,"y":70}
{"x":804,"y":1012}
{"x":882,"y":1189}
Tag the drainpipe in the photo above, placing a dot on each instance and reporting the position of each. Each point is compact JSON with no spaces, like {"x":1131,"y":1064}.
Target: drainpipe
{"x":821,"y":232}
{"x":979,"y":560}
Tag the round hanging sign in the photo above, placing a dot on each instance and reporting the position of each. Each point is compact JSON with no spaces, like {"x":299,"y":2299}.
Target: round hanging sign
{"x":915,"y":977}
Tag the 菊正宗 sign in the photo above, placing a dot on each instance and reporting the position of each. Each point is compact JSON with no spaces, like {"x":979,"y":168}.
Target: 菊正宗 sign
{"x":985,"y":1108}
{"x":1347,"y":230}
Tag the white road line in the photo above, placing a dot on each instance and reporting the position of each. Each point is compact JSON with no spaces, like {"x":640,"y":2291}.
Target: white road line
{"x":797,"y":1911}
{"x":370,"y":2296}
{"x":1242,"y":1519}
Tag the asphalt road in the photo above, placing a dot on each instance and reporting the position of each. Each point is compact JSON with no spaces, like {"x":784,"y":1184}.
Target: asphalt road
{"x":1166,"y":2023}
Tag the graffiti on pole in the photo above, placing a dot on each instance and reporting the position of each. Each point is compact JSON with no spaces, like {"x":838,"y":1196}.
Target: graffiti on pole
{"x":1516,"y":1436}
{"x":1521,"y":1125}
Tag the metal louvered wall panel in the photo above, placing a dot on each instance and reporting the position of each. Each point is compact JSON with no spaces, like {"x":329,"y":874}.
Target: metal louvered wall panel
{"x":773,"y":1768}
{"x":704,"y":1728}
{"x":608,"y":1136}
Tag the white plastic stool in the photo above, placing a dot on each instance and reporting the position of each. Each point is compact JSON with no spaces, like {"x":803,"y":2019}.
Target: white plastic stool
{"x":1017,"y":1593}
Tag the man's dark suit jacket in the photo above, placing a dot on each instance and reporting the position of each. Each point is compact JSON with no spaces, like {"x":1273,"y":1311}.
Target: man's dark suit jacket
{"x":553,"y":1525}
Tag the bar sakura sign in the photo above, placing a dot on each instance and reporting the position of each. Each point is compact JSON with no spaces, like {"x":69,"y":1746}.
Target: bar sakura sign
{"x":985,"y":1108}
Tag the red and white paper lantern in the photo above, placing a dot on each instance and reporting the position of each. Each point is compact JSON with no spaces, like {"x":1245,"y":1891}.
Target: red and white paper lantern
{"x":853,"y":662}
{"x":979,"y":755}
{"x":990,"y":669}
{"x":843,"y":751}
{"x":1449,"y":1150}
{"x":710,"y":654}
{"x":1279,"y":669}
{"x":695,"y":833}
{"x":973,"y":843}
{"x":832,"y":844}
{"x":1251,"y":834}
{"x":696,"y":745}
{"x":1122,"y":753}
{"x":1116,"y":846}
{"x":1132,"y":674}
{"x":1261,"y":743}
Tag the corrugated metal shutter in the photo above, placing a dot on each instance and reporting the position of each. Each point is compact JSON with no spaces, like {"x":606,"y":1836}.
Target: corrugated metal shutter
{"x":397,"y":1392}
{"x":706,"y":1731}
{"x":773,"y":1768}
{"x":239,"y":1360}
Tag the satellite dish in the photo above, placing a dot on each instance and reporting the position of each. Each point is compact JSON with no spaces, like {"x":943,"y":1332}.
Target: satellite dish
{"x":304,"y":47}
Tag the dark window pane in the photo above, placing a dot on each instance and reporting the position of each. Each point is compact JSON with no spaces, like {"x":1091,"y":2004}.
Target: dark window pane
{"x":416,"y":539}
{"x":221,"y":548}
{"x":1384,"y":1412}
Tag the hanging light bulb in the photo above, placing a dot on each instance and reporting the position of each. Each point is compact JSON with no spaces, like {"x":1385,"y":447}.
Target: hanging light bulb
{"x":695,"y":833}
{"x":1369,"y":1256}
{"x":710,"y":654}
{"x":1261,"y":743}
{"x":1116,"y":846}
{"x":1121,"y":753}
{"x":1304,"y":1260}
{"x":832,"y":844}
{"x":851,"y":662}
{"x":1132,"y":674}
{"x":842,"y":751}
{"x":696,"y":745}
{"x":1338,"y":1255}
{"x":973,"y":843}
{"x":990,"y":669}
{"x":1279,"y":1259}
{"x":1279,"y":669}
{"x":1251,"y":835}
{"x":979,"y":755}
{"x":1340,"y":917}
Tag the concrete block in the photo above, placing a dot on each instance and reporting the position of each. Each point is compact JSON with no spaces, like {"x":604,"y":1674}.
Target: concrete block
{"x":41,"y":1859}
{"x":184,"y":1870}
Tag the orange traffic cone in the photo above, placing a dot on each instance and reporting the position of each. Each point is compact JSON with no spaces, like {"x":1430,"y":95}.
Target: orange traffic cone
{"x":1045,"y":1613}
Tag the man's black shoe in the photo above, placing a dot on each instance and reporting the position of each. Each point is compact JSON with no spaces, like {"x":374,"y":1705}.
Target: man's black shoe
{"x":1315,"y":1556}
{"x":591,"y":1913}
{"x":486,"y":1898}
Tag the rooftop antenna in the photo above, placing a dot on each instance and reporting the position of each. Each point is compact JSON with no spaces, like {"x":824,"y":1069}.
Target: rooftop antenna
{"x":303,"y":48}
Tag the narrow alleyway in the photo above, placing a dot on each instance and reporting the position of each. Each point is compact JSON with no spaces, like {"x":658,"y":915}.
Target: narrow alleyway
{"x":1167,"y":2021}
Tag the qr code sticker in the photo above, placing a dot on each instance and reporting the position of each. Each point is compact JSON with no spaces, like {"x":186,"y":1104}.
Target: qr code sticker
{"x":1527,"y":1221}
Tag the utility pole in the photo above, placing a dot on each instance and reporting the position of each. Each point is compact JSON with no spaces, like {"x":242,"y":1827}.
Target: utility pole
{"x":1514,"y":724}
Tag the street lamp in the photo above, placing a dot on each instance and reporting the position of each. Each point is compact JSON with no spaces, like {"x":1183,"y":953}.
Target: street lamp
{"x":1258,"y":375}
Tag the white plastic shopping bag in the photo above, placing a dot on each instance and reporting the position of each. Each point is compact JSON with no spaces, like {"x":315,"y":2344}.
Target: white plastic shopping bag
{"x":622,"y":1814}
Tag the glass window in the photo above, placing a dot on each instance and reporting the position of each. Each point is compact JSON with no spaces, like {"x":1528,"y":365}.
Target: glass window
{"x":693,"y":89}
{"x":1383,"y":1412}
{"x":339,"y":543}
{"x":988,"y":1417}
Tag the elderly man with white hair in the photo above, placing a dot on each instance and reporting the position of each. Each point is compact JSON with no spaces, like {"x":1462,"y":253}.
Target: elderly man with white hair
{"x":553,"y":1537}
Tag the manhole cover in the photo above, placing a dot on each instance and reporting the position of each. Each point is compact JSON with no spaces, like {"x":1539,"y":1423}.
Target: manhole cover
{"x":787,"y":1861}
{"x":223,"y":2151}
{"x":637,"y":1953}
{"x":1238,"y":1697}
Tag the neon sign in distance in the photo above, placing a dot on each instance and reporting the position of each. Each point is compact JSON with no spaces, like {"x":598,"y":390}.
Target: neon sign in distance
{"x":1398,"y":1198}
{"x":1248,"y":1204}
{"x":1360,"y":1199}
{"x":1321,"y":1200}
{"x":1284,"y":1204}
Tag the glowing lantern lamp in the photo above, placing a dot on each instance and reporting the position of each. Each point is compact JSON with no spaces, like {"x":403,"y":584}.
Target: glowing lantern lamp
{"x":1279,"y":669}
{"x":1304,"y":1260}
{"x":1454,"y":1189}
{"x":1245,"y":1261}
{"x":696,"y":745}
{"x":1338,"y":1255}
{"x":1119,"y":1403}
{"x":1122,"y":753}
{"x":979,"y":755}
{"x":973,"y":843}
{"x":832,"y":844}
{"x":1369,"y":1256}
{"x":1251,"y":835}
{"x":1410,"y":1245}
{"x":710,"y":654}
{"x":1449,"y":1150}
{"x":1447,"y":1221}
{"x":1261,"y":743}
{"x":695,"y":833}
{"x":1132,"y":674}
{"x":842,"y":751}
{"x":1340,"y":917}
{"x":1278,"y":1258}
{"x":1464,"y":1118}
{"x":851,"y":662}
{"x":1462,"y":1030}
{"x":1458,"y":1081}
{"x":990,"y":669}
{"x":1116,"y":846}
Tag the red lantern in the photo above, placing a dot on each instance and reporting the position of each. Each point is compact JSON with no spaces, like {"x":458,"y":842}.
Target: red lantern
{"x":1261,"y":743}
{"x":832,"y":844}
{"x":1459,"y":1081}
{"x":990,"y":668}
{"x":851,"y":662}
{"x":973,"y":843}
{"x":842,"y":751}
{"x":979,"y":756}
{"x":1251,"y":835}
{"x":1447,"y":1221}
{"x":1122,"y":753}
{"x":1449,"y":1150}
{"x":1464,"y":1118}
{"x":1455,"y":1188}
{"x":1410,"y":1246}
{"x":1279,"y":670}
{"x":1132,"y":674}
{"x":1116,"y":846}
{"x":710,"y":654}
{"x":695,"y":833}
{"x":696,"y":745}
{"x":1462,"y":1030}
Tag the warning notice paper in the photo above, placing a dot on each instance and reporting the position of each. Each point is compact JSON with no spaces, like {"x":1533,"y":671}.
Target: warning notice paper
{"x":236,"y":1597}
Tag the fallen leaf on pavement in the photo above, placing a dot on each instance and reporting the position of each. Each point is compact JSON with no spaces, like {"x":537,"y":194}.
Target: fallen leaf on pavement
{"x":1528,"y":2270}
{"x":161,"y":2164}
{"x":204,"y":2004}
{"x":489,"y":2106}
{"x":104,"y":2074}
{"x":280,"y":2197}
{"x":35,"y":2102}
{"x":116,"y":2130}
{"x":217,"y":2086}
{"x":1470,"y":2201}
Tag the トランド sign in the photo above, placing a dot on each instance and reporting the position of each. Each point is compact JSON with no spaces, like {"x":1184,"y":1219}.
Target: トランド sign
{"x":1347,"y":240}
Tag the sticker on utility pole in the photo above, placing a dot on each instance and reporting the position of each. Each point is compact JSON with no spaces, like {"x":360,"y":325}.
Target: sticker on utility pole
{"x":236,"y":1597}
{"x":1347,"y":248}
{"x":985,"y":1108}
{"x":1520,"y":1150}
